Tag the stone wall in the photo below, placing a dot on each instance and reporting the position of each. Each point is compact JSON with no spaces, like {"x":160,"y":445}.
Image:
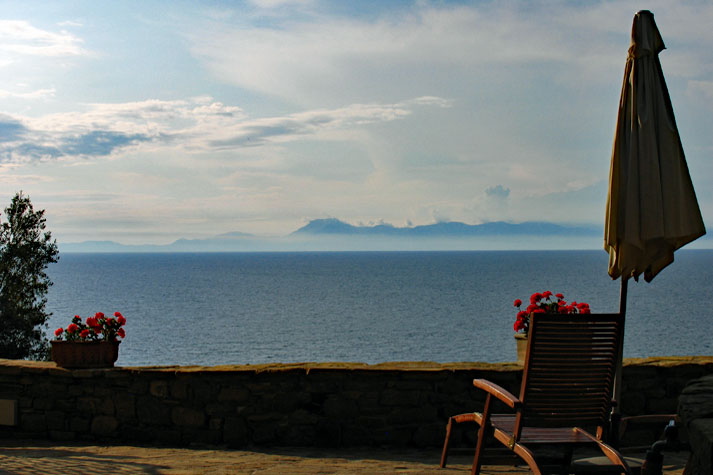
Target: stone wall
{"x":327,"y":404}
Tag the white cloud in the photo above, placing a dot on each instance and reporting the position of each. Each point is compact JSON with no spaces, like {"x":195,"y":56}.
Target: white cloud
{"x":435,"y":50}
{"x":37,"y":94}
{"x":269,"y":4}
{"x":71,"y":23}
{"x":20,"y":38}
{"x":198,"y":124}
{"x":325,"y":56}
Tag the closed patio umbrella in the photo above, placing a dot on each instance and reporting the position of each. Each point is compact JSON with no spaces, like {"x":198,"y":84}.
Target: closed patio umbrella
{"x":651,"y":207}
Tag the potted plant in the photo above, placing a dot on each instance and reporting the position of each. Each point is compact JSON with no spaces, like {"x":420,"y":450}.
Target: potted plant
{"x":90,"y":344}
{"x":545,"y":302}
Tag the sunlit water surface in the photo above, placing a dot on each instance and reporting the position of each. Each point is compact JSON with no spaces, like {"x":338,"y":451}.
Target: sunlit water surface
{"x":371,"y":307}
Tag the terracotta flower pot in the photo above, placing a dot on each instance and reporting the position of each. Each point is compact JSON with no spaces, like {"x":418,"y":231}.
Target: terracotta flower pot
{"x":85,"y":354}
{"x":521,"y":342}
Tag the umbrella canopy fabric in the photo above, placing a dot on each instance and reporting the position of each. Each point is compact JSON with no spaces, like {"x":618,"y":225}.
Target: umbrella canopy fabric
{"x":651,"y":207}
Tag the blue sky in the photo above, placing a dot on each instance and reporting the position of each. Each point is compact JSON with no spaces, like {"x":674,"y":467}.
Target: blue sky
{"x":146,"y":121}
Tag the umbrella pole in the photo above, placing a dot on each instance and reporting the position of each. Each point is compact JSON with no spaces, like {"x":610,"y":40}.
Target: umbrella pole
{"x":622,"y":297}
{"x":622,"y":315}
{"x":616,"y":414}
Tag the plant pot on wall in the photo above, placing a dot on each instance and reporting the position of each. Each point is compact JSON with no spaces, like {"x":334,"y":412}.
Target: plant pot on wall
{"x":521,"y":342}
{"x":85,"y":354}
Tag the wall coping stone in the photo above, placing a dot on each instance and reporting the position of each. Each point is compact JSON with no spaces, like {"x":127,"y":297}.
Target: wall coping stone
{"x":24,"y":366}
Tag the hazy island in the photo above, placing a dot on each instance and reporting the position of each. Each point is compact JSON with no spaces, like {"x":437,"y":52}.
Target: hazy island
{"x":332,"y":234}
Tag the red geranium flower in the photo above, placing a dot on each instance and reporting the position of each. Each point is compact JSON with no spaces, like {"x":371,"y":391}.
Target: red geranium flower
{"x":97,"y":328}
{"x":546,"y":302}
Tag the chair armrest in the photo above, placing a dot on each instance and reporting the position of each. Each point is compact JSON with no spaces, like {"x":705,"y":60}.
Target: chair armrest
{"x":645,"y":419}
{"x":503,"y":394}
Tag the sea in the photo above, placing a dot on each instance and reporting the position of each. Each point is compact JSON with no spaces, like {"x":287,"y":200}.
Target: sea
{"x":371,"y":307}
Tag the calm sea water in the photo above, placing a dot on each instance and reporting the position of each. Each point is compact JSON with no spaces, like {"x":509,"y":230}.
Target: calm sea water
{"x":371,"y":307}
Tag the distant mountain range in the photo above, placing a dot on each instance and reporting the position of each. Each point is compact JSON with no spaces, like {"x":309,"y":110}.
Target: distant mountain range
{"x":335,"y":235}
{"x":333,"y":226}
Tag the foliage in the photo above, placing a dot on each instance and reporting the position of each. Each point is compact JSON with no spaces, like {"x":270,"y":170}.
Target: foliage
{"x":545,"y":302}
{"x":97,"y":328}
{"x":26,"y":249}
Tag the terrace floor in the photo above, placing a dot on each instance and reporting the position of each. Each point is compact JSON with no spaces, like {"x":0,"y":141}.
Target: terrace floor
{"x":42,"y":457}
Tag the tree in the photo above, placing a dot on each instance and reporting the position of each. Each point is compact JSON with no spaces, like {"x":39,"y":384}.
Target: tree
{"x":26,"y":249}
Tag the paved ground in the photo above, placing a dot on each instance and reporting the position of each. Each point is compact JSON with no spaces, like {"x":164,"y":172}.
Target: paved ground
{"x":43,"y":458}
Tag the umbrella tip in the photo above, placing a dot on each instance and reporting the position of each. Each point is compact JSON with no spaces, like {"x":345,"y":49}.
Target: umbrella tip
{"x":645,"y":35}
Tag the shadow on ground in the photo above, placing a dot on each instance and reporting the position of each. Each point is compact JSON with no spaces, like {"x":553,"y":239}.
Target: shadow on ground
{"x":54,"y":460}
{"x":44,"y":458}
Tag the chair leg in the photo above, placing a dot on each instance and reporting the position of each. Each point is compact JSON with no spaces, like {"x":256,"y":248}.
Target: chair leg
{"x":444,"y":455}
{"x":526,"y":455}
{"x":483,"y":432}
{"x":467,"y":417}
{"x":614,"y":455}
{"x":611,"y":453}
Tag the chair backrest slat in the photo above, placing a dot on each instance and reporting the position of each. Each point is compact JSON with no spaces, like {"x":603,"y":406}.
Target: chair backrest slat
{"x":569,"y":369}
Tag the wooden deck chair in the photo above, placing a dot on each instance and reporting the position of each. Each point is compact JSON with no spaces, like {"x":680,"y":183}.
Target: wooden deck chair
{"x":566,"y":391}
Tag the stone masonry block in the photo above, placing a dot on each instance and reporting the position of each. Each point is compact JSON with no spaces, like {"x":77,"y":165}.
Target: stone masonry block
{"x":235,"y":432}
{"x":55,"y":420}
{"x":203,"y":390}
{"x":125,"y":406}
{"x":220,"y":409}
{"x":179,"y":389}
{"x":33,"y":422}
{"x":393,"y":397}
{"x":158,"y":389}
{"x":105,"y":406}
{"x":151,"y":411}
{"x":337,"y":408}
{"x":8,"y":412}
{"x":61,"y":435}
{"x":237,"y":395}
{"x":215,"y":423}
{"x":79,"y":425}
{"x":104,"y":426}
{"x":188,"y":417}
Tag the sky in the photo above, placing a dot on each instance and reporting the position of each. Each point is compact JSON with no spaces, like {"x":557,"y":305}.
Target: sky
{"x":148,"y":121}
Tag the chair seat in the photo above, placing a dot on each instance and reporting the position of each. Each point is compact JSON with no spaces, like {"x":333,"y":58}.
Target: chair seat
{"x":536,"y":435}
